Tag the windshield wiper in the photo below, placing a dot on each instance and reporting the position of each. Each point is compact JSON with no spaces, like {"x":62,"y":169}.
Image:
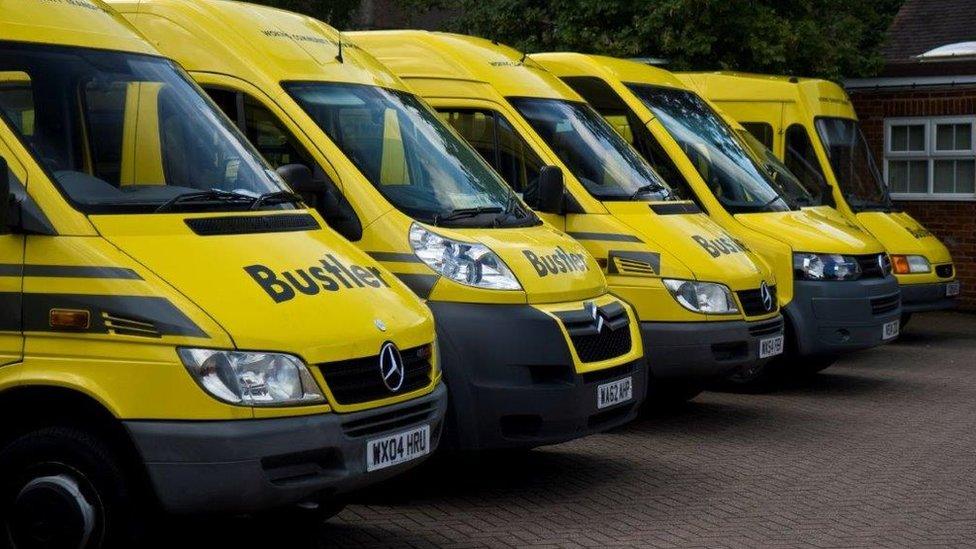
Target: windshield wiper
{"x":276,"y":197}
{"x":461,"y":213}
{"x":213,"y":195}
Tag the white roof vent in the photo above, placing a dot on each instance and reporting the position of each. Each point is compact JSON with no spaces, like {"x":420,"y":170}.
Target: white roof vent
{"x":950,"y":52}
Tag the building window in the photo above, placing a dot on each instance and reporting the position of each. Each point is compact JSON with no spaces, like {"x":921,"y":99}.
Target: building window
{"x":931,"y":158}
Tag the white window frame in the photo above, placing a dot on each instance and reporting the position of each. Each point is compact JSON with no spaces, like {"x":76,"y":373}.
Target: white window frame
{"x":930,"y":154}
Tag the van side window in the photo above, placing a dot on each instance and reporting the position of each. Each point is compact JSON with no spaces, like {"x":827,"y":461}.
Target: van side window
{"x":801,"y":159}
{"x":280,"y":147}
{"x":262,"y":128}
{"x":763,"y":131}
{"x":500,"y":145}
{"x":615,"y":111}
{"x":17,"y":100}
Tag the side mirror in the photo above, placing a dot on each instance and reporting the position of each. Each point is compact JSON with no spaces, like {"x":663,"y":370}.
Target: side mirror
{"x":299,"y":178}
{"x":552,"y":190}
{"x":323,"y":195}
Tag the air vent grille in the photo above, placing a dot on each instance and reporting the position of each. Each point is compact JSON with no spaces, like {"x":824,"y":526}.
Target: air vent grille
{"x":130,"y":327}
{"x":251,"y":224}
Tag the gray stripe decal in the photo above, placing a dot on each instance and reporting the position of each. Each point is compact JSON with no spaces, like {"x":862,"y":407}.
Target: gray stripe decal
{"x":68,"y":271}
{"x":10,"y":312}
{"x":395,"y":256}
{"x":158,"y":312}
{"x":609,"y":237}
{"x":652,"y":259}
{"x":420,"y":284}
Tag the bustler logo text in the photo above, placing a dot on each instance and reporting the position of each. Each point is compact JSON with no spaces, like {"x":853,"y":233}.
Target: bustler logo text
{"x":330,"y":275}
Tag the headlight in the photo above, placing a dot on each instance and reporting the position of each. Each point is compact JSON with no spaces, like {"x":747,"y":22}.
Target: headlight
{"x":910,"y":264}
{"x":809,"y":266}
{"x":702,"y":297}
{"x":252,"y":379}
{"x":465,"y":262}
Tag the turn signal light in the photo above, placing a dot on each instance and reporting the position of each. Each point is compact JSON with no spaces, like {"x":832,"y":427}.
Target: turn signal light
{"x":899,"y":264}
{"x":70,"y":319}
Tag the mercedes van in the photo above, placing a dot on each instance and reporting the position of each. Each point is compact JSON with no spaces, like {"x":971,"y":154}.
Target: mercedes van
{"x":178,"y":329}
{"x":835,"y":283}
{"x":705,"y":302}
{"x":533,"y":347}
{"x":811,"y":125}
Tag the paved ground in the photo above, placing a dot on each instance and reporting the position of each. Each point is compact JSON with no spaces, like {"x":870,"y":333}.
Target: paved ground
{"x":877,"y":451}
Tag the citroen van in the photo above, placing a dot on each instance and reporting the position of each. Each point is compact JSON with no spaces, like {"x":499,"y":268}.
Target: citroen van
{"x":533,"y":347}
{"x":835,"y":283}
{"x":811,"y":125}
{"x":705,"y":302}
{"x":178,"y":329}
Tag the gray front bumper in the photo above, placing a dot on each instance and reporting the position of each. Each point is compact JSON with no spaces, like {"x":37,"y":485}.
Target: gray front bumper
{"x":250,"y":465}
{"x":699,"y":351}
{"x":916,"y":298}
{"x":831,"y":317}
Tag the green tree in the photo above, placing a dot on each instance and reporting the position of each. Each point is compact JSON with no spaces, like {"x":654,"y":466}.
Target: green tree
{"x":825,"y":38}
{"x":338,"y":13}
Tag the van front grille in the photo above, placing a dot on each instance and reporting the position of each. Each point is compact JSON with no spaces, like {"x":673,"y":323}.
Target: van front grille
{"x":767,"y":328}
{"x":874,"y":265}
{"x":885,"y":305}
{"x":752,"y":301}
{"x":360,"y":380}
{"x":598,"y":333}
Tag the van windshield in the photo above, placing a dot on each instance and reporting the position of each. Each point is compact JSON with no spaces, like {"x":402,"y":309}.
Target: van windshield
{"x":853,"y":165}
{"x":594,"y":152}
{"x":410,"y":155}
{"x":729,"y":170}
{"x":128,"y":133}
{"x":781,"y":175}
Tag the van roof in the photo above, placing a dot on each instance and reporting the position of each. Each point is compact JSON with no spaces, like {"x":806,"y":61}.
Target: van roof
{"x":260,"y":44}
{"x":819,"y":94}
{"x":82,"y":23}
{"x":623,"y":70}
{"x":415,"y":54}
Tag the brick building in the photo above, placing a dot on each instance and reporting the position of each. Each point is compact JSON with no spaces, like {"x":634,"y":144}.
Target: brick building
{"x":919,"y":115}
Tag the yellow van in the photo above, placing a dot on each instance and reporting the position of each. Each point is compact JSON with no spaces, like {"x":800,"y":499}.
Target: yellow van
{"x":178,"y":329}
{"x":533,"y":347}
{"x":835,"y":284}
{"x":706,"y":304}
{"x":811,"y":125}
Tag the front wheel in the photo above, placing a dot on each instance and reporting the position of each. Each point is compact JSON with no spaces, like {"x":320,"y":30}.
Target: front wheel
{"x":64,"y":487}
{"x":665,"y":394}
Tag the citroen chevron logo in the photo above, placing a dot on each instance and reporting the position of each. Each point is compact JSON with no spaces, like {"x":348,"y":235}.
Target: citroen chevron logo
{"x":391,"y":367}
{"x":594,"y":311}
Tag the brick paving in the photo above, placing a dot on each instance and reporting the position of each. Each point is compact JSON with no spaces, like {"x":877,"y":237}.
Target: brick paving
{"x":877,"y":451}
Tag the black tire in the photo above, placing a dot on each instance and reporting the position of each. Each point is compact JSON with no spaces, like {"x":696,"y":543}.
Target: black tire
{"x":304,"y":517}
{"x":810,"y":365}
{"x":759,"y":378}
{"x":663,"y":395}
{"x":905,"y":319}
{"x":64,"y":487}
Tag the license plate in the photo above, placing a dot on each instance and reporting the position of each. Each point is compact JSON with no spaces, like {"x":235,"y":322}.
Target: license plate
{"x":771,"y":346}
{"x":615,"y":392}
{"x":890,"y":329}
{"x":397,"y":448}
{"x":952,"y":288}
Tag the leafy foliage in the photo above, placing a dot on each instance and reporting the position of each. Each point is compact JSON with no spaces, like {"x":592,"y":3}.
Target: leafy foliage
{"x":825,"y":38}
{"x":338,"y":13}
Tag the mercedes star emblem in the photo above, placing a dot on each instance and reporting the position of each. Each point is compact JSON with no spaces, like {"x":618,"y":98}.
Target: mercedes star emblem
{"x":391,"y":367}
